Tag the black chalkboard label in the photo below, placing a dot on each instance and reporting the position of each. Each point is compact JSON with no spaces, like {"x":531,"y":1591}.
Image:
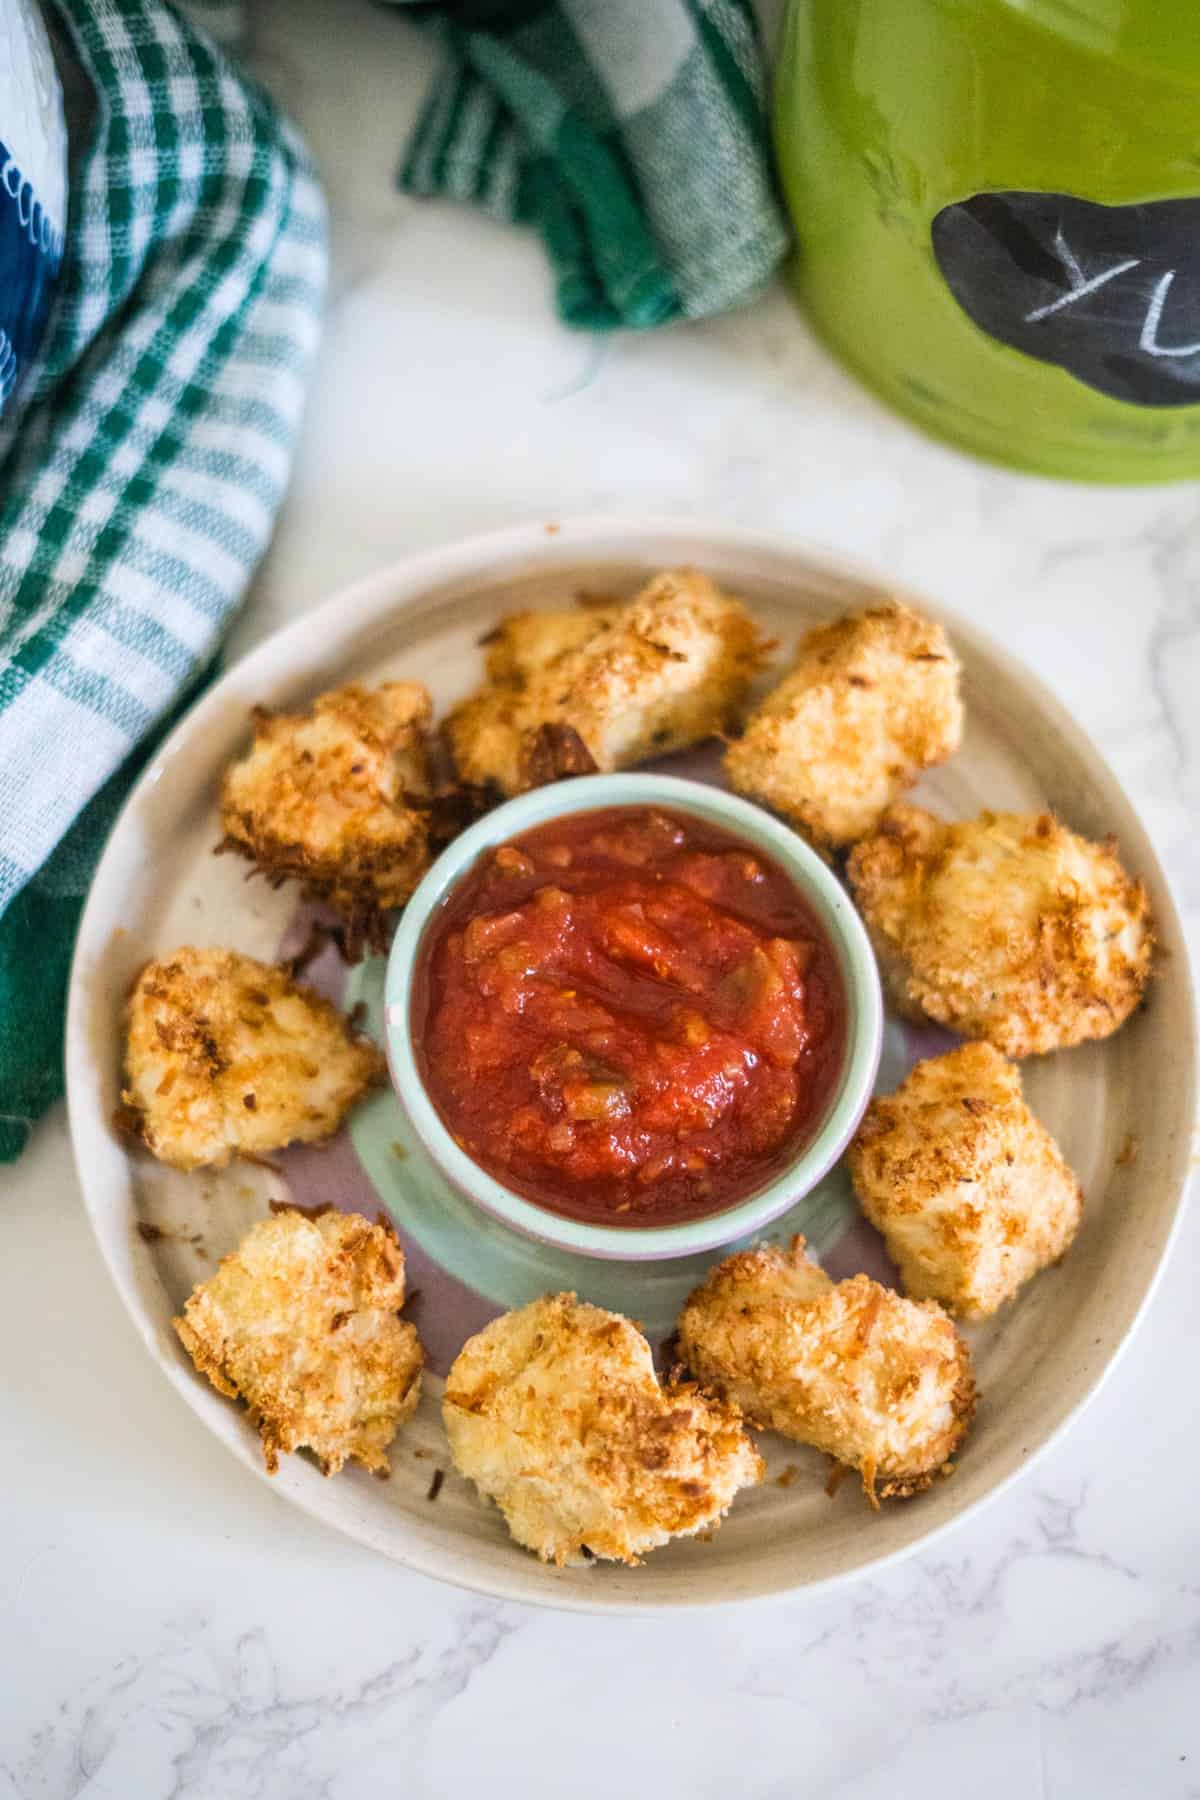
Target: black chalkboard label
{"x":1109,"y":293}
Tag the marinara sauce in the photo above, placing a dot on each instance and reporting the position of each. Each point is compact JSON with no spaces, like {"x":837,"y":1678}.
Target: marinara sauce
{"x":628,"y":1016}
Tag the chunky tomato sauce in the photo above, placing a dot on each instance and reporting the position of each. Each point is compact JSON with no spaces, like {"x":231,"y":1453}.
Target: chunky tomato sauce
{"x":628,"y":1016}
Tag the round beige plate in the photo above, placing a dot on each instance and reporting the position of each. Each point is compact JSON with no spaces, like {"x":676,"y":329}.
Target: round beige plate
{"x":1122,"y":1111}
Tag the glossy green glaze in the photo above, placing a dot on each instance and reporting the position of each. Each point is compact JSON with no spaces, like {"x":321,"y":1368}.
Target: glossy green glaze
{"x":889,"y":110}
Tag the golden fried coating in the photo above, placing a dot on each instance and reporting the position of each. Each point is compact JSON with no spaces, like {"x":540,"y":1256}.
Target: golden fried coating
{"x":880,"y":1383}
{"x":525,"y":644}
{"x":226,"y":1056}
{"x":871,"y":700}
{"x":333,"y":797}
{"x":970,"y":1191}
{"x":1007,"y":927}
{"x":605,"y":687}
{"x":301,"y":1322}
{"x":556,"y":1414}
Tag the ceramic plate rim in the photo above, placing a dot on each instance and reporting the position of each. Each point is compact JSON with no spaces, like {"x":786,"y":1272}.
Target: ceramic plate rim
{"x":369,"y":601}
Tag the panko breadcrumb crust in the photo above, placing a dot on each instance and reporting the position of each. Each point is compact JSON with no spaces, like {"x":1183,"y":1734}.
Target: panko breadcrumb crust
{"x":971,"y":1193}
{"x":880,"y":1383}
{"x":555,"y":1413}
{"x":301,"y":1322}
{"x":605,"y":687}
{"x":227,"y":1056}
{"x":872,"y":699}
{"x":1007,"y":927}
{"x":337,"y":798}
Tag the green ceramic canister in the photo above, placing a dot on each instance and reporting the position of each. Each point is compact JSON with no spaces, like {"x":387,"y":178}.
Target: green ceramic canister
{"x":997,"y":204}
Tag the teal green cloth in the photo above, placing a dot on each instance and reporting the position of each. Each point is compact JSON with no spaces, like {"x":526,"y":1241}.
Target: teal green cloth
{"x":142,"y":463}
{"x":631,"y":133}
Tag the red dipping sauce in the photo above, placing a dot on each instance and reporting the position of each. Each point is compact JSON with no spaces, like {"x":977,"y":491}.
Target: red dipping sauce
{"x":629,"y":1016}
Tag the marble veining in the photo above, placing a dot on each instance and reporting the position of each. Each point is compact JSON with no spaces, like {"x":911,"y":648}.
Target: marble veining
{"x":168,"y":1627}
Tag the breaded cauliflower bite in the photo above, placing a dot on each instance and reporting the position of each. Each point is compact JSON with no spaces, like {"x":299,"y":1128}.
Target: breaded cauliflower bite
{"x":301,"y":1323}
{"x":970,"y":1191}
{"x":555,"y":1413}
{"x":605,"y":687}
{"x":880,"y":1383}
{"x":524,"y":645}
{"x":1007,"y":927}
{"x":871,"y":700}
{"x":226,"y":1056}
{"x":332,"y":797}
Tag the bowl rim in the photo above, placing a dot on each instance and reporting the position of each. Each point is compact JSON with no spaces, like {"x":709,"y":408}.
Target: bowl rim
{"x":835,"y":913}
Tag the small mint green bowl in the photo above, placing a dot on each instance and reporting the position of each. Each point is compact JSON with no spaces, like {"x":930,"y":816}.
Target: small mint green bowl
{"x":833,"y":909}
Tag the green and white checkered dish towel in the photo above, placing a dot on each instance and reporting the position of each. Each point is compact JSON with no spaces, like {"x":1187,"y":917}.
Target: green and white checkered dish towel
{"x":632,"y":133}
{"x":141,"y":467}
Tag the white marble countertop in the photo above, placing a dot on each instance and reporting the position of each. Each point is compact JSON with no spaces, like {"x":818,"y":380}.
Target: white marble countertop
{"x":168,"y":1626}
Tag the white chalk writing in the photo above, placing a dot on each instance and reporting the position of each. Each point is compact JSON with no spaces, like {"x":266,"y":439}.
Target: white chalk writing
{"x":1081,"y":284}
{"x":1149,"y":338}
